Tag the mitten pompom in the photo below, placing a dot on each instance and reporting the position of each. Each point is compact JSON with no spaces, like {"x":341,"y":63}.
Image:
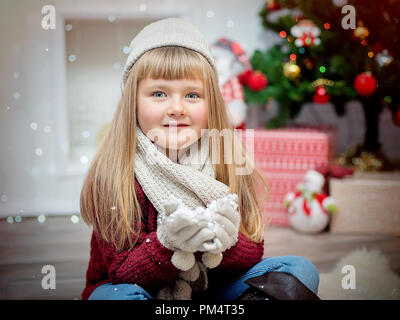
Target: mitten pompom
{"x":171,"y":205}
{"x":182,"y":290}
{"x":183,"y":260}
{"x":211,"y":260}
{"x":165,"y":294}
{"x":192,"y":274}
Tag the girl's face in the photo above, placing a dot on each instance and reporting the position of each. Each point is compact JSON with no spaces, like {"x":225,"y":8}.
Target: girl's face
{"x":172,"y":112}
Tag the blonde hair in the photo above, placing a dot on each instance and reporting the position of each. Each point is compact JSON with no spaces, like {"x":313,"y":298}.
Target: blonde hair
{"x":108,"y":198}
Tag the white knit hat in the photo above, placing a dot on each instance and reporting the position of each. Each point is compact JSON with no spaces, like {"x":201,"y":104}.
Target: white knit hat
{"x":167,"y":32}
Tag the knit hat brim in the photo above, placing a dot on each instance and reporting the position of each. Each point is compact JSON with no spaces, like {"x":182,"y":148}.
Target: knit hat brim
{"x":167,"y":32}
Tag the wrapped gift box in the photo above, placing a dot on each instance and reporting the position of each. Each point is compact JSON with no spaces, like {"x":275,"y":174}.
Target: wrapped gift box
{"x":284,"y":155}
{"x":368,"y":203}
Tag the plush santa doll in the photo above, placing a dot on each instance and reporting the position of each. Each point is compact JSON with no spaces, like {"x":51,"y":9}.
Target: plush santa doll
{"x":230,"y":61}
{"x":309,"y":208}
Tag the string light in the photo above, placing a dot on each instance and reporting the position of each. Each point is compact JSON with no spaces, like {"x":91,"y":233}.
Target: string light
{"x":293,"y":57}
{"x":282,"y":34}
{"x":74,"y":218}
{"x":142,"y":7}
{"x":388,"y":99}
{"x":210,"y":14}
{"x":40,"y":218}
{"x":321,"y":91}
{"x":84,"y":159}
{"x":230,"y":24}
{"x":322,"y":69}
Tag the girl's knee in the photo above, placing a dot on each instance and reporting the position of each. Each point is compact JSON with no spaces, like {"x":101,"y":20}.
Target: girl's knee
{"x":123,"y":291}
{"x":304,"y":264}
{"x":300,"y":267}
{"x":306,"y":271}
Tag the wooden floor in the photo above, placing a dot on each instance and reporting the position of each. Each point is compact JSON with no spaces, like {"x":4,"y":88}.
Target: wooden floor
{"x":27,"y":246}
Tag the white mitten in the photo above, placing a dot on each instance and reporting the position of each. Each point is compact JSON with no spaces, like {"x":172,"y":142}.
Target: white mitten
{"x":184,"y":231}
{"x":225,"y":222}
{"x":183,"y":228}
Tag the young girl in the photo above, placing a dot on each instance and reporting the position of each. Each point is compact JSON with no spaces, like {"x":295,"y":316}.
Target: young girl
{"x":168,"y":221}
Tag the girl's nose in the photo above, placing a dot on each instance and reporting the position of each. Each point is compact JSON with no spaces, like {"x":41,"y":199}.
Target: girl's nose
{"x":176,"y":108}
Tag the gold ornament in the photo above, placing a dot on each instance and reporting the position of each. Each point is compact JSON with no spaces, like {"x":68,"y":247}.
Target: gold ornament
{"x":361,"y":32}
{"x":363,"y":160}
{"x":291,"y":70}
{"x":323,"y":82}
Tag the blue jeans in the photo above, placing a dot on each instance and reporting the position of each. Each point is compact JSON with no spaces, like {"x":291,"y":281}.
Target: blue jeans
{"x":297,"y":266}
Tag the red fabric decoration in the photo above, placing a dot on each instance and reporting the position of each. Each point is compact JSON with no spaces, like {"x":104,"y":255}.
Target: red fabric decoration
{"x":305,"y":207}
{"x":320,"y":197}
{"x":334,"y":171}
{"x":232,"y":90}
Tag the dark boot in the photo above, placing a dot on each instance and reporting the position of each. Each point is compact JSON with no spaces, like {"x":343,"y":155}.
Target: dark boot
{"x":277,"y":286}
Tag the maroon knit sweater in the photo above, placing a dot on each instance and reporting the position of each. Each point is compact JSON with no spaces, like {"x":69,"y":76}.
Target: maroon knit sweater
{"x":148,"y":263}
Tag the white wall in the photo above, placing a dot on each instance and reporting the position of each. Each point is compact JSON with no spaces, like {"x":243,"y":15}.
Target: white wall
{"x":40,"y":170}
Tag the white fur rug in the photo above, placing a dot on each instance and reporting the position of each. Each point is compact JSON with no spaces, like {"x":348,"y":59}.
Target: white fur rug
{"x":374,"y":279}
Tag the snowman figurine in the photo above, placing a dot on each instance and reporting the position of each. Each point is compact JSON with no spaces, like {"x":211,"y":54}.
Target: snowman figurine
{"x":309,"y":208}
{"x":231,"y":60}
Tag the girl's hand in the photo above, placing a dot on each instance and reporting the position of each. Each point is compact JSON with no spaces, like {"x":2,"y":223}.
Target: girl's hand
{"x":226,"y":220}
{"x":184,"y":229}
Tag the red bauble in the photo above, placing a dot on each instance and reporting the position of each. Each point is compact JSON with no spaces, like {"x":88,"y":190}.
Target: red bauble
{"x":273,"y":5}
{"x":257,"y":81}
{"x":365,"y":84}
{"x":321,"y":96}
{"x":396,"y":117}
{"x":244,"y":76}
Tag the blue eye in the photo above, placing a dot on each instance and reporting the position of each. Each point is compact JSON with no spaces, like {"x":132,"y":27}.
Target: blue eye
{"x":193,"y":94}
{"x":157,"y":92}
{"x":160,"y":94}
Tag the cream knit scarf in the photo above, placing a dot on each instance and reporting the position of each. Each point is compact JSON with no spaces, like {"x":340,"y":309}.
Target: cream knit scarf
{"x":192,"y":179}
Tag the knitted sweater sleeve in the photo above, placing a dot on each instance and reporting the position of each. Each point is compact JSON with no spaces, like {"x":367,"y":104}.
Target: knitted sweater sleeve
{"x":147,"y":264}
{"x":96,"y":273}
{"x":242,"y":256}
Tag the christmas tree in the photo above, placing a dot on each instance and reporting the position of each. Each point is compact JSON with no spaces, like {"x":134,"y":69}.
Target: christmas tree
{"x":331,"y":51}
